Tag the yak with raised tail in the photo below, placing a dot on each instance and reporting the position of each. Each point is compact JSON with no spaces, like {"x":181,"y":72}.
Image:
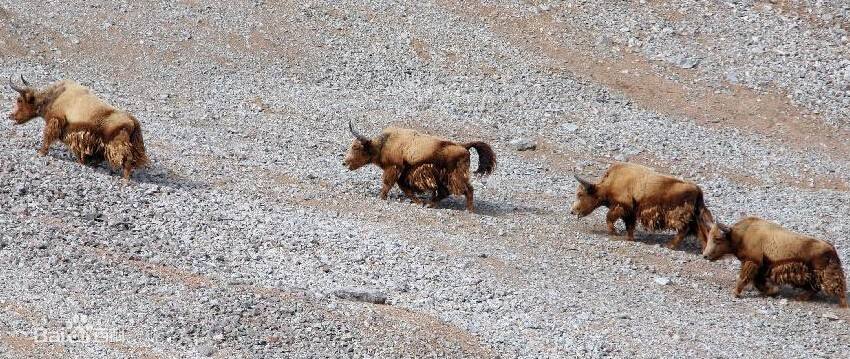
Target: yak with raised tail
{"x":92,"y":129}
{"x":772,"y":256}
{"x":635,"y":193}
{"x":420,"y":163}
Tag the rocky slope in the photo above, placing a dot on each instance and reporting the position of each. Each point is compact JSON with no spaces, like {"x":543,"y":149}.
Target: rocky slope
{"x":248,"y":238}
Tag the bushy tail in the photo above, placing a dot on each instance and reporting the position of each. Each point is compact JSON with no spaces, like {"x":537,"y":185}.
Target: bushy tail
{"x":486,"y":157}
{"x":140,"y":157}
{"x":702,"y":220}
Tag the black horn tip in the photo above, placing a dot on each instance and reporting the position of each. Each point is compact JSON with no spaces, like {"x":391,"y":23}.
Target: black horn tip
{"x":24,"y":81}
{"x":356,"y":134}
{"x":15,"y":87}
{"x":583,"y":181}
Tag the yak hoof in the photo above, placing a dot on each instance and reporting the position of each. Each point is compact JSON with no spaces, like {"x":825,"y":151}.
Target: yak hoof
{"x":771,"y":292}
{"x":806,"y":296}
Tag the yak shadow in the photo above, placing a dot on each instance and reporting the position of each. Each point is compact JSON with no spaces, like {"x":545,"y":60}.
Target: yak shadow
{"x":688,"y":245}
{"x":791,"y":294}
{"x":482,"y":207}
{"x":152,"y":174}
{"x":164,"y":177}
{"x":490,"y":208}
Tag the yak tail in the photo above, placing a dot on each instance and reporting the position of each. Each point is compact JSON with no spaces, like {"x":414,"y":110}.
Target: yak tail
{"x":140,"y":157}
{"x":486,"y":157}
{"x":702,"y":220}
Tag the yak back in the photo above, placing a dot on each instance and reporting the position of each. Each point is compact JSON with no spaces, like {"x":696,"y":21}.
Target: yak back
{"x":629,"y":184}
{"x":767,"y":242}
{"x":82,"y":110}
{"x":404,"y":147}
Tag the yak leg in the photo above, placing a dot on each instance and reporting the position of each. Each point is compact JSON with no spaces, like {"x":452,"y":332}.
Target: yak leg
{"x":390,"y":177}
{"x":611,"y":218}
{"x":765,"y":288}
{"x":440,"y":194}
{"x":749,"y":269}
{"x":409,"y":192}
{"x":631,"y":223}
{"x":128,"y":170}
{"x":830,"y":279}
{"x":469,"y":203}
{"x":680,"y":235}
{"x":119,"y":153}
{"x":807,"y":295}
{"x":52,"y":131}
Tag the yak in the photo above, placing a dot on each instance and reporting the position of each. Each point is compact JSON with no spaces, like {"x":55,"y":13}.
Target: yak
{"x":420,"y":163}
{"x":635,"y":193}
{"x":92,"y":129}
{"x":772,"y":256}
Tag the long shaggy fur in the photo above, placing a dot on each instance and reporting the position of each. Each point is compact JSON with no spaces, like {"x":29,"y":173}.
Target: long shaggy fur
{"x":675,"y":217}
{"x":424,"y":178}
{"x":796,"y":274}
{"x":84,"y":143}
{"x":831,"y":280}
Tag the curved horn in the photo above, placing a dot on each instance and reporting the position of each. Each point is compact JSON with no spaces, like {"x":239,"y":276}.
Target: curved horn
{"x":356,"y":134}
{"x":584,"y":182}
{"x":15,"y":87}
{"x":24,"y":81}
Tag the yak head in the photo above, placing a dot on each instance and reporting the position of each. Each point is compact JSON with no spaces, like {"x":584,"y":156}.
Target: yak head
{"x":26,"y":106}
{"x":361,"y":152}
{"x":719,"y":242}
{"x":587,"y":198}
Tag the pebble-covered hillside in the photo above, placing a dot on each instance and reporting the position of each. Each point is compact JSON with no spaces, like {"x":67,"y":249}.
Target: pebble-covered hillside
{"x":247,"y":237}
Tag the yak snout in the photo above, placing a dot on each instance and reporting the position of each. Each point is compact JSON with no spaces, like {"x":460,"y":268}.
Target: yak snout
{"x":581,"y":209}
{"x":710,"y":251}
{"x":12,"y":114}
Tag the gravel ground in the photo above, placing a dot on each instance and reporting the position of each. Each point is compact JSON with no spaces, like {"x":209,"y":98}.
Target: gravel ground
{"x":248,"y":238}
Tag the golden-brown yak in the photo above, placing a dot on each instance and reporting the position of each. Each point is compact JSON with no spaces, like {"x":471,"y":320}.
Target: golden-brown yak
{"x":420,"y":163}
{"x":636,"y":193}
{"x":92,"y":129}
{"x":771,"y":256}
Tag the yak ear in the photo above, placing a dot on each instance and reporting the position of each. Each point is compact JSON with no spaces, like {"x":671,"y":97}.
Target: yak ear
{"x":589,"y":186}
{"x":724,"y":229}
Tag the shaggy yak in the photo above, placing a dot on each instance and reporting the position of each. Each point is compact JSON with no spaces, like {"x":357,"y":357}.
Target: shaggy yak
{"x":420,"y":163}
{"x":92,"y":129}
{"x":772,"y":256}
{"x":636,"y":193}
